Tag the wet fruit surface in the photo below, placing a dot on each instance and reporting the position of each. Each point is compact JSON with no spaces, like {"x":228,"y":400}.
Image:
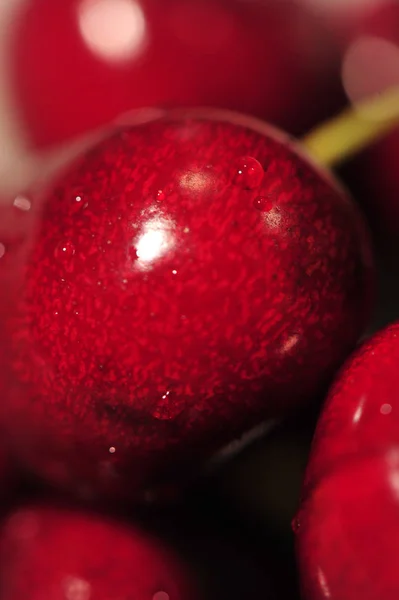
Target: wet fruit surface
{"x":347,"y":528}
{"x":50,"y":553}
{"x":191,"y":278}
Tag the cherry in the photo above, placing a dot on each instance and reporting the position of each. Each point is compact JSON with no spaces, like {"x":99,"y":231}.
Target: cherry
{"x":348,"y":524}
{"x":192,"y":277}
{"x":71,"y":73}
{"x":49,"y":553}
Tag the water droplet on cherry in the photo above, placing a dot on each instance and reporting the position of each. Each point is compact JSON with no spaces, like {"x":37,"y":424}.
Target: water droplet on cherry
{"x":2,"y":250}
{"x":249,"y":173}
{"x":80,"y":200}
{"x":64,"y":250}
{"x":163,"y":411}
{"x":164,"y":192}
{"x":263,"y":203}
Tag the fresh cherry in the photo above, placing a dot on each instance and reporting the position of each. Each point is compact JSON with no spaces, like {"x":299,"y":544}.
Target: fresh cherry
{"x":76,"y":64}
{"x":348,"y":524}
{"x":192,"y":277}
{"x":48,"y":553}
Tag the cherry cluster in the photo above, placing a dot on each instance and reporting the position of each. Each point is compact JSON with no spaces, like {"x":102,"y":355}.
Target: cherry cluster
{"x":192,"y":278}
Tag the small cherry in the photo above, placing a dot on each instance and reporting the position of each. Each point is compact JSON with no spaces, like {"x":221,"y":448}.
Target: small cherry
{"x":348,"y":525}
{"x":49,"y":552}
{"x":192,"y":277}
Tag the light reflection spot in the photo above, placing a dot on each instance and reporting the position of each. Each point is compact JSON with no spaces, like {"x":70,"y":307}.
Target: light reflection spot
{"x":370,"y":67}
{"x":273,"y":218}
{"x":359,"y":411}
{"x":76,"y":588}
{"x":22,"y":203}
{"x":161,"y":596}
{"x":151,"y":245}
{"x":195,"y":181}
{"x":114,"y":30}
{"x":290,"y":343}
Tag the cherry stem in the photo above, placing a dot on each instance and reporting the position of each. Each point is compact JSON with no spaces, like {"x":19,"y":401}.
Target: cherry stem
{"x":354,"y":129}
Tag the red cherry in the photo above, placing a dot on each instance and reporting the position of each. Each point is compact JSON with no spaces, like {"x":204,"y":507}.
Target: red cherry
{"x":49,"y":553}
{"x":168,"y":307}
{"x":347,"y":528}
{"x":71,"y":73}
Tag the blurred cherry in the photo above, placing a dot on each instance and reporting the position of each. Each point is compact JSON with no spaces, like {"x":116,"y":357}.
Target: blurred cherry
{"x":192,"y":277}
{"x":48,"y":553}
{"x":348,"y":525}
{"x":76,"y":64}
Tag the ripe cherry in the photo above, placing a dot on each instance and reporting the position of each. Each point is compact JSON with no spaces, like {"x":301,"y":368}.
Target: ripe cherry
{"x":192,"y":277}
{"x":348,"y":524}
{"x":49,"y":553}
{"x":70,"y":72}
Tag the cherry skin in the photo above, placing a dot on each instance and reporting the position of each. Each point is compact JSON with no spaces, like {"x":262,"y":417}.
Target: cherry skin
{"x":262,"y":57}
{"x":192,"y":277}
{"x":348,"y":524}
{"x":49,"y":553}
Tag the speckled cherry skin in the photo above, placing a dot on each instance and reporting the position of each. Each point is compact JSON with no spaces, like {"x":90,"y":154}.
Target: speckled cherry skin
{"x":348,"y":524}
{"x":264,"y":57}
{"x":177,"y":294}
{"x":49,"y":553}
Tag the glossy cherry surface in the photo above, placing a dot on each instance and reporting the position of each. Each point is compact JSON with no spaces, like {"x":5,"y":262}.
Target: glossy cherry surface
{"x":50,"y":553}
{"x":191,"y":277}
{"x":347,"y":528}
{"x":72,"y":73}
